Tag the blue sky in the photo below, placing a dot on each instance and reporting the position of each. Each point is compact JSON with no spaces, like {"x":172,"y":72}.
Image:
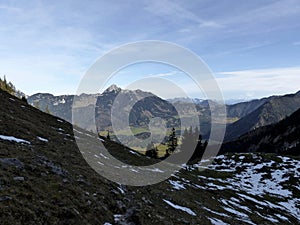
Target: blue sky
{"x":252,"y":47}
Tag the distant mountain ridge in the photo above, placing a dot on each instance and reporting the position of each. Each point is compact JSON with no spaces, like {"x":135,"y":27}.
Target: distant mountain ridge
{"x":147,"y":106}
{"x":281,"y":138}
{"x":242,"y":109}
{"x":264,"y":112}
{"x":61,"y":106}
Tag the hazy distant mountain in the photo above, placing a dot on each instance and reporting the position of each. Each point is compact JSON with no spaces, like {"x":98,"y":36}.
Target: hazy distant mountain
{"x":137,"y":106}
{"x":262,"y":112}
{"x":182,"y":99}
{"x":236,"y":101}
{"x":147,"y":106}
{"x":60,"y":106}
{"x":199,"y":101}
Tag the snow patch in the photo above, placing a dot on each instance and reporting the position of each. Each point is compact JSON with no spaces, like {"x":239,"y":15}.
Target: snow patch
{"x":42,"y":139}
{"x":11,"y":138}
{"x":185,"y":209}
{"x":177,"y":185}
{"x":216,"y":221}
{"x":156,"y":170}
{"x":105,"y":157}
{"x":133,"y":152}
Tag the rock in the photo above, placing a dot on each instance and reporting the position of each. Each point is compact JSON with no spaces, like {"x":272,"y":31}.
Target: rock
{"x":12,"y":162}
{"x":76,"y":211}
{"x":19,"y":178}
{"x":5,"y":198}
{"x":42,"y":160}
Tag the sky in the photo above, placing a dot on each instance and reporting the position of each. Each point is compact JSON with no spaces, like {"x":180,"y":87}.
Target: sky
{"x":251,"y":47}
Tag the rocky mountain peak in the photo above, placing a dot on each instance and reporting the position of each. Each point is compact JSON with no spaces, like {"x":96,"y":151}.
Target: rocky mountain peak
{"x":112,"y":88}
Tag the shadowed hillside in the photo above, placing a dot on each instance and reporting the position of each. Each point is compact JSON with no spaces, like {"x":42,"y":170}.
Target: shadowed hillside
{"x":282,"y":138}
{"x":272,"y":111}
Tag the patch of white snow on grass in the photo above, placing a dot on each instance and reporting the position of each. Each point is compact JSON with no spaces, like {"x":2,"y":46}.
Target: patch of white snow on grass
{"x":185,"y":209}
{"x":42,"y":139}
{"x":291,"y":206}
{"x":216,"y":221}
{"x":177,"y":185}
{"x":156,"y":170}
{"x":11,"y":138}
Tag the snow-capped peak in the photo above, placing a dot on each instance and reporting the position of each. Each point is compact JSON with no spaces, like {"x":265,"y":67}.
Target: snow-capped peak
{"x":112,"y":88}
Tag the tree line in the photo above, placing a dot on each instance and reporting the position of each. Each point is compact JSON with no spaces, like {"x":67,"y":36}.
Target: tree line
{"x":7,"y":86}
{"x":191,"y":140}
{"x":11,"y":89}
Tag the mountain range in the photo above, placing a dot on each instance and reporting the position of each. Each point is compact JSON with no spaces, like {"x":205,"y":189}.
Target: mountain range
{"x":241,"y":117}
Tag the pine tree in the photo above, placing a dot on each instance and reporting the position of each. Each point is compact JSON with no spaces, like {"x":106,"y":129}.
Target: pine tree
{"x":172,"y":142}
{"x":189,"y":139}
{"x":24,"y":99}
{"x":155,"y":153}
{"x":151,"y":150}
{"x":200,"y":148}
{"x":7,"y":86}
{"x":192,"y":140}
{"x":108,"y":135}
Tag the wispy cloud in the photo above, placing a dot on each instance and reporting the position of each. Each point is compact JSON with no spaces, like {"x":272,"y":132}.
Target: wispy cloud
{"x":268,"y":17}
{"x":9,"y":8}
{"x":247,"y":48}
{"x":175,"y":12}
{"x":164,"y":74}
{"x":260,"y":82}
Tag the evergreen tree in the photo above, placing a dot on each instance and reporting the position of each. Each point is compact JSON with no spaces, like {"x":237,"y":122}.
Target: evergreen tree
{"x":200,"y":148}
{"x":7,"y":86}
{"x":155,"y":153}
{"x":151,"y":151}
{"x":172,"y":142}
{"x":189,"y":139}
{"x":24,"y":99}
{"x":108,"y":135}
{"x":192,"y":140}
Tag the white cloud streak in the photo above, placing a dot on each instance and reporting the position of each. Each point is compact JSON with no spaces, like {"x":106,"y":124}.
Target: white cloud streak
{"x":261,"y":82}
{"x":177,"y":13}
